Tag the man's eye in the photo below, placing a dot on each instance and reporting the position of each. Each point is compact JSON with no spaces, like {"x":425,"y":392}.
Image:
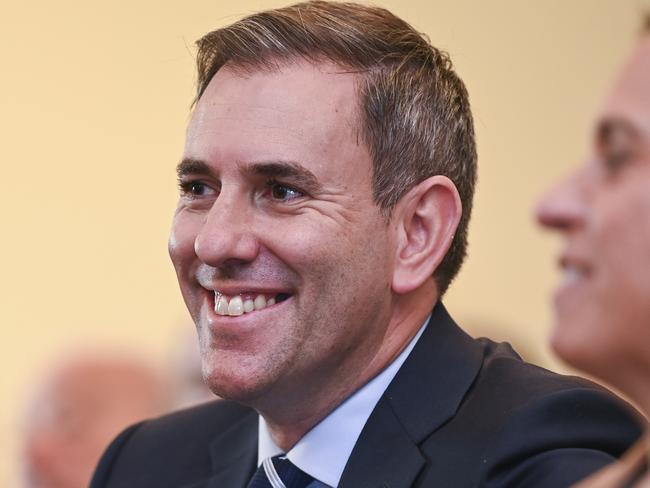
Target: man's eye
{"x":615,"y":160}
{"x":193,"y":188}
{"x":283,"y":192}
{"x":617,"y":147}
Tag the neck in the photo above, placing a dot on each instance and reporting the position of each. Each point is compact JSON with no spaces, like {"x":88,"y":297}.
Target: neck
{"x":633,"y":382}
{"x":289,"y":418}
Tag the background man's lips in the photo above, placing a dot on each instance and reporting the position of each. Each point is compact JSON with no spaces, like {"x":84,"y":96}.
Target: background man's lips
{"x":575,"y":262}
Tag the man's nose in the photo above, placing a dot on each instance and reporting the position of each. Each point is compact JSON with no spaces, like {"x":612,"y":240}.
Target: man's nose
{"x":564,"y":207}
{"x":227,"y":233}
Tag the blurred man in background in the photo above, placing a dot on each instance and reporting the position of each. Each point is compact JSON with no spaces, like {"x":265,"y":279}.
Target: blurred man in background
{"x":79,"y":407}
{"x":603,"y":212}
{"x":184,"y":373}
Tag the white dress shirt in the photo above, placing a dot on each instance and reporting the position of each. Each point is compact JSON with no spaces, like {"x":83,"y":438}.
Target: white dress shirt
{"x":323,"y":452}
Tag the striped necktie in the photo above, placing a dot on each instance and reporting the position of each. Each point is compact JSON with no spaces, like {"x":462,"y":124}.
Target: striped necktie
{"x":279,"y":472}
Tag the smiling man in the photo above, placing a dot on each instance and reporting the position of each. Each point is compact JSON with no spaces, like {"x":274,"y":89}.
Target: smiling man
{"x":603,"y":212}
{"x":325,"y":193}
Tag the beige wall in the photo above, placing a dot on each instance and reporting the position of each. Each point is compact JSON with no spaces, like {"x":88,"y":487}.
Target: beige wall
{"x":93,"y":102}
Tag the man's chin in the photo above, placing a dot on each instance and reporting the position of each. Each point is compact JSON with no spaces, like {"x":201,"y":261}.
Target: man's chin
{"x":574,"y":343}
{"x":241,"y":388}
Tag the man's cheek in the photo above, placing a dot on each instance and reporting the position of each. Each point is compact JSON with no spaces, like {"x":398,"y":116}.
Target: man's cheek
{"x":181,"y":240}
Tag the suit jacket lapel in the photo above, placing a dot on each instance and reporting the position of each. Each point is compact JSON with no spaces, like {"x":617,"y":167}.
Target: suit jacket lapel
{"x":234,"y":455}
{"x":384,"y":456}
{"x":425,"y":393}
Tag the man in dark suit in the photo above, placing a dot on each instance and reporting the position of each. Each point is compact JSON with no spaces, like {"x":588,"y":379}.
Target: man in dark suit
{"x":326,"y":188}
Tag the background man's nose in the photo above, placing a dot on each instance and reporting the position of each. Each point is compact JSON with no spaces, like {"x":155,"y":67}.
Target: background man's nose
{"x":564,"y":206}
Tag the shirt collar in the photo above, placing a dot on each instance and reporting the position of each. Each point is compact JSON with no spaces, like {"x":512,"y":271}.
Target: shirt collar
{"x":323,"y":452}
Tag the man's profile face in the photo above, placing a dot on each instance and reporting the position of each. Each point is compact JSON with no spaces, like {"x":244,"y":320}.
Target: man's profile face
{"x":276,"y":215}
{"x":603,"y":211}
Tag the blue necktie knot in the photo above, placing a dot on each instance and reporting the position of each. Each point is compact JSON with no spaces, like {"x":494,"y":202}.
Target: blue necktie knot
{"x":279,"y":472}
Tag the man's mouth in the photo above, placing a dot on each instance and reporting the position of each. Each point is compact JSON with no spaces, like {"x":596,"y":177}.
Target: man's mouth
{"x":573,"y":270}
{"x":572,"y":274}
{"x":245,"y":302}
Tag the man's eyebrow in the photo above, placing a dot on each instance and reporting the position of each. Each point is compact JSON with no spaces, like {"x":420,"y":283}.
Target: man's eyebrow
{"x":284,"y":169}
{"x":189,"y":166}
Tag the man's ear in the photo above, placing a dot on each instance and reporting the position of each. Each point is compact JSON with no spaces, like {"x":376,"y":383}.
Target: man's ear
{"x":426,"y":219}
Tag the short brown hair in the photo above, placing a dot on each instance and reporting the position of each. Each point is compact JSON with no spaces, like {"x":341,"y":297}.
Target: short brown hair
{"x":414,"y":109}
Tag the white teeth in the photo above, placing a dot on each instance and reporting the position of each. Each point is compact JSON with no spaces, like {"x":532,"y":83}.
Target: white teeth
{"x":260,"y":302}
{"x":236,"y":306}
{"x":571,"y":274}
{"x":221,"y":305}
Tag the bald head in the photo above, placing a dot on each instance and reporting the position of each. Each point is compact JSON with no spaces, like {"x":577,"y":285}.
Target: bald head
{"x":79,"y":408}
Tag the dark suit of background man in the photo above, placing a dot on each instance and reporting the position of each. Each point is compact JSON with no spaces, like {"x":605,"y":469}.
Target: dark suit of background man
{"x":326,"y":189}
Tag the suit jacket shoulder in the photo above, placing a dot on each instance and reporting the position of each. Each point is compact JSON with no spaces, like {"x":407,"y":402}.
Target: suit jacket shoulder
{"x":471,"y":413}
{"x":214,"y":444}
{"x":633,"y":471}
{"x":535,"y":428}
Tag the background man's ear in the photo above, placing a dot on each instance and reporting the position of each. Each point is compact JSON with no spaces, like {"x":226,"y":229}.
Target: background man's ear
{"x":426,"y":219}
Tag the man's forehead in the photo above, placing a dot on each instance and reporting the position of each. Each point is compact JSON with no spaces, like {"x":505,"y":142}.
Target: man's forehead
{"x":299,"y":77}
{"x":296,"y":88}
{"x":291,"y":113}
{"x":629,"y":100}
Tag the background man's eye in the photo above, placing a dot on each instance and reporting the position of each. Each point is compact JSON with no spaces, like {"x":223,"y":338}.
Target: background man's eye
{"x":617,"y":147}
{"x":615,"y":160}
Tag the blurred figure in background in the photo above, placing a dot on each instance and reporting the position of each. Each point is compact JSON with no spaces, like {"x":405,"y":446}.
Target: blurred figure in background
{"x":188,"y":387}
{"x":603,"y":212}
{"x":79,"y":408}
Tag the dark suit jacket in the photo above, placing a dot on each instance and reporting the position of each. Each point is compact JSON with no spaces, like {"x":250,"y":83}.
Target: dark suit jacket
{"x":459,"y":413}
{"x":633,"y":471}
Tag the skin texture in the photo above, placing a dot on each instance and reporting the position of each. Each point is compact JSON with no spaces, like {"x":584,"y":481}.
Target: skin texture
{"x":276,"y":198}
{"x":81,"y":407}
{"x":603,"y":212}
